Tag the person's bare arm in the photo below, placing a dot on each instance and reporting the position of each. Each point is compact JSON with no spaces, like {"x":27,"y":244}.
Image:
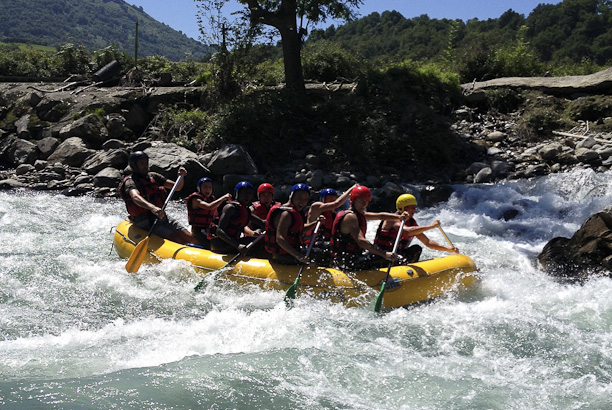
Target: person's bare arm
{"x":282,"y":231}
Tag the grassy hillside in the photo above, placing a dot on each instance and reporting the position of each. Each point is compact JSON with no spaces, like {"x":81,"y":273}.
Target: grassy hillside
{"x":94,"y":23}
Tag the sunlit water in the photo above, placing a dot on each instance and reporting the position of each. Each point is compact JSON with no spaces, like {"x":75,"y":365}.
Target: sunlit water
{"x":78,"y":332}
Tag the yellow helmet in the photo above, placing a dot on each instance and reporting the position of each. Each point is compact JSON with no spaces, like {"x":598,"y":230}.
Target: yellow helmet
{"x":405,"y":200}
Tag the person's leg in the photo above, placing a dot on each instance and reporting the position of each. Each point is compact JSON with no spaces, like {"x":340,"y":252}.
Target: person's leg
{"x":412,"y":254}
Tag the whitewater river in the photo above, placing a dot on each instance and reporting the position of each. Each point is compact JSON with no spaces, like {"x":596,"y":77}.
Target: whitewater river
{"x":78,"y":332}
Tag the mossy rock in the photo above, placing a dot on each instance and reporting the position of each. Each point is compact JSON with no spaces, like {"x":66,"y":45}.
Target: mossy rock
{"x":591,"y":108}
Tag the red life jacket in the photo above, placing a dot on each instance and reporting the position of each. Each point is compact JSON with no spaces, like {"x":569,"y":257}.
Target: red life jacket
{"x":344,"y":243}
{"x":293,"y":234}
{"x":236,"y":224}
{"x":148,"y":188}
{"x":260,"y":210}
{"x":325,"y":230}
{"x":199,"y":217}
{"x":385,"y":238}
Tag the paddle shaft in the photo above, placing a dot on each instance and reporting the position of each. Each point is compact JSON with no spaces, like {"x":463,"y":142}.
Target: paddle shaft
{"x":378,"y":303}
{"x":293,"y":288}
{"x":444,"y":233}
{"x":248,"y":248}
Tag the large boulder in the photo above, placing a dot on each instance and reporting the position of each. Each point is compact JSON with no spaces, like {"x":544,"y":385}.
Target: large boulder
{"x":166,"y":158}
{"x":232,"y":159}
{"x":71,"y":152}
{"x":24,"y":152}
{"x":89,"y":128}
{"x":115,"y":158}
{"x":587,"y":252}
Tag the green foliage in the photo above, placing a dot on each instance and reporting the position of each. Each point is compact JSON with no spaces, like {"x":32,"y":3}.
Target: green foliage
{"x":269,"y":73}
{"x":504,"y":100}
{"x":543,"y":114}
{"x":95,"y":24}
{"x":591,"y":108}
{"x":183,"y":127}
{"x":326,"y":61}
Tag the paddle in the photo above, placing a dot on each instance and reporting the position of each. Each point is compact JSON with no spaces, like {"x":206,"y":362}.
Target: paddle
{"x":248,"y":248}
{"x":379,"y":299}
{"x":293,"y":288}
{"x":444,"y":233}
{"x":140,"y":251}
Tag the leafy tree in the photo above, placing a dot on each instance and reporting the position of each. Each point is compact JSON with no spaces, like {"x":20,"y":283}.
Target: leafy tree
{"x":282,"y":16}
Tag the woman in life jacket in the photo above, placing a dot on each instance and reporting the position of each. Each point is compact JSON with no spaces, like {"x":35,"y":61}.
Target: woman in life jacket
{"x":144,"y":194}
{"x":328,"y":202}
{"x":229,"y":232}
{"x":388,"y":230}
{"x":260,"y":208}
{"x":284,"y":228}
{"x":201,"y":209}
{"x":350,"y":248}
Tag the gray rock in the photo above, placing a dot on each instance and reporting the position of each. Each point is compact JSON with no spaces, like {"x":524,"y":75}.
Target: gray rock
{"x":316,"y":180}
{"x":24,"y":169}
{"x":496,"y":136}
{"x":72,"y":152}
{"x":89,"y":128}
{"x":46,"y":146}
{"x":587,"y":155}
{"x":475,"y":168}
{"x":550,"y":152}
{"x":167,"y":158}
{"x":108,"y":177}
{"x":232,"y":158}
{"x":116,"y":158}
{"x":24,"y":152}
{"x":113,"y":144}
{"x":483,"y":176}
{"x":372,"y":181}
{"x":588,"y":143}
{"x":23,"y":125}
{"x":11,"y":184}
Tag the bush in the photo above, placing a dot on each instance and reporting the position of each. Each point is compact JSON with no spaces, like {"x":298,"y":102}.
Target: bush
{"x":326,"y":61}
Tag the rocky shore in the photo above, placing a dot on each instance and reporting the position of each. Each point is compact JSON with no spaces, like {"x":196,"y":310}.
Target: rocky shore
{"x":53,"y":137}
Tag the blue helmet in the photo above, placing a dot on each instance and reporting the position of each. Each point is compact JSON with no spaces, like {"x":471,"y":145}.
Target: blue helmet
{"x":205,"y":179}
{"x":328,"y":191}
{"x":300,"y":187}
{"x":240,"y":185}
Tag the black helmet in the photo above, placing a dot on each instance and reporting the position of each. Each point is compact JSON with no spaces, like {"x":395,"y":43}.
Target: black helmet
{"x":135,"y":156}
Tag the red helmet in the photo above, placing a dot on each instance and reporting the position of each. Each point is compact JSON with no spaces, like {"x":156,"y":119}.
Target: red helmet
{"x":265,"y":187}
{"x":361,"y":192}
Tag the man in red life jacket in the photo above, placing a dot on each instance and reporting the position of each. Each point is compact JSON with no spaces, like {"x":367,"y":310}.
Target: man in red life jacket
{"x":350,"y":248}
{"x":265,"y":194}
{"x":388,"y":230}
{"x":144,"y":194}
{"x":230,"y":224}
{"x":284,"y":227}
{"x":328,"y":202}
{"x":201,"y":209}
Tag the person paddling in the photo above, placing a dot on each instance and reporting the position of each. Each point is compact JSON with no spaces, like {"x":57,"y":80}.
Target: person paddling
{"x":350,"y":248}
{"x":260,"y":208}
{"x":201,"y":209}
{"x":328,"y":202}
{"x":284,"y":227}
{"x":144,"y":193}
{"x":229,"y":231}
{"x":388,"y":230}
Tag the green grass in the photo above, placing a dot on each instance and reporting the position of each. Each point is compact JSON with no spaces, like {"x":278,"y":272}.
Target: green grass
{"x":25,"y":46}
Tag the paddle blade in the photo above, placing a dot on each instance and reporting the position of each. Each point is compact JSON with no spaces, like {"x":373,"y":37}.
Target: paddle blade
{"x":137,"y":256}
{"x":379,"y":299}
{"x":291,"y":292}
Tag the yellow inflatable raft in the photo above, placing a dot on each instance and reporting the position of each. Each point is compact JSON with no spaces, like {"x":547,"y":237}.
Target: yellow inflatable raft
{"x":413,"y":283}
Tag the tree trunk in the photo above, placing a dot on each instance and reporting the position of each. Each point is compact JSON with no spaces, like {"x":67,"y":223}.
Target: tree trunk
{"x":292,"y":46}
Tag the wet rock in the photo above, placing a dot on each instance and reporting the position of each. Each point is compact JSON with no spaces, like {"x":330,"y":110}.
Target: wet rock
{"x":550,"y":152}
{"x":11,"y":184}
{"x":24,"y":169}
{"x":588,"y":251}
{"x":587,"y":155}
{"x":434,"y":194}
{"x":24,"y":152}
{"x":484,"y":175}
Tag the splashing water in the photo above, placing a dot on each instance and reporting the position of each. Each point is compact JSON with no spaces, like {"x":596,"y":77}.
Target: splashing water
{"x":77,"y":331}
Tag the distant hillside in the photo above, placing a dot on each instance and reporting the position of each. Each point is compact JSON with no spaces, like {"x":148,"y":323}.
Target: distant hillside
{"x":572,"y":31}
{"x":94,"y":23}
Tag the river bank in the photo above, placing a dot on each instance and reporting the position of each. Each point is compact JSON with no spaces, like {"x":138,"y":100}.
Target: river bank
{"x":76,"y":139}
